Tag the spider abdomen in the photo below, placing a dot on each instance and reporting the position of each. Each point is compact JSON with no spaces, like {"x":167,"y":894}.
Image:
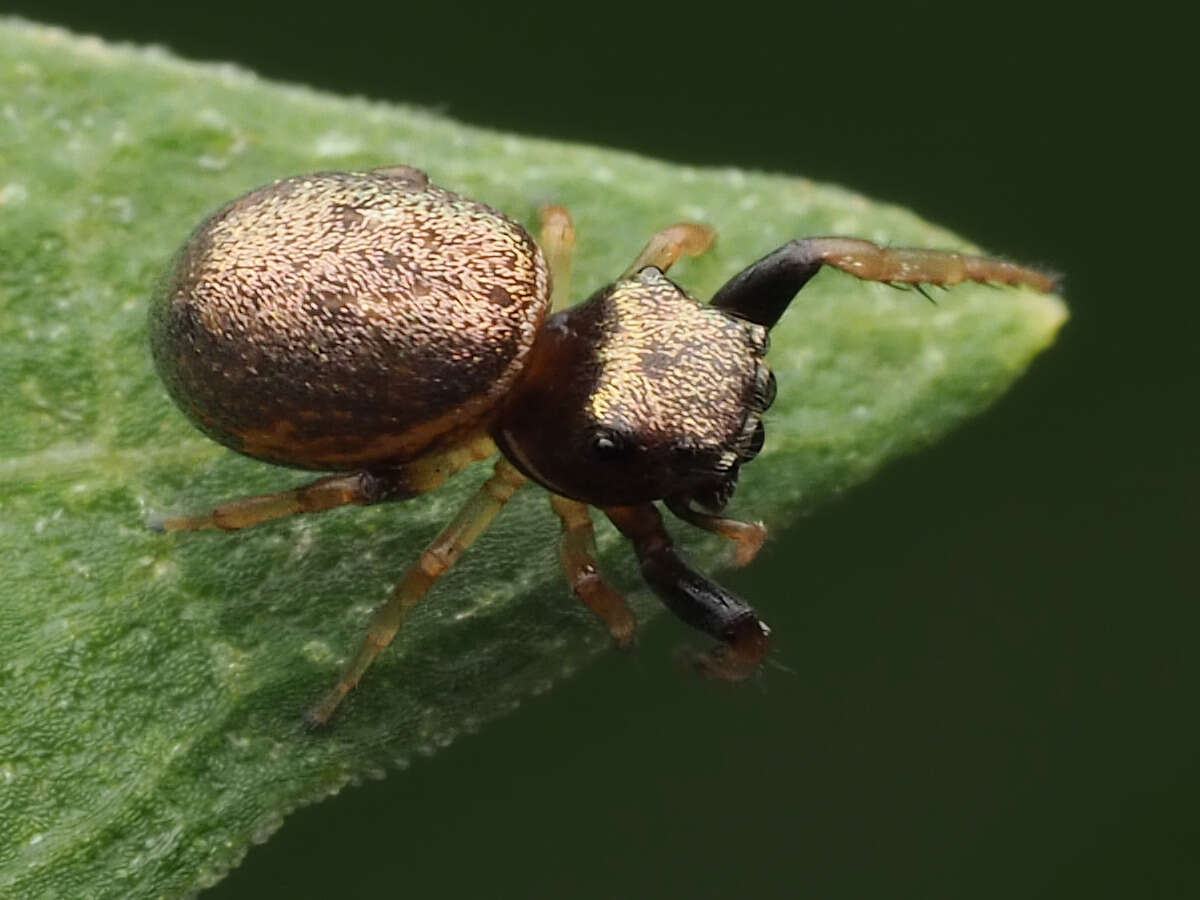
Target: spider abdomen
{"x":347,"y":320}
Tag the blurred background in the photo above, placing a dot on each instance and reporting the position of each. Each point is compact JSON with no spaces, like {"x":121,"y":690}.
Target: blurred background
{"x":986,"y":679}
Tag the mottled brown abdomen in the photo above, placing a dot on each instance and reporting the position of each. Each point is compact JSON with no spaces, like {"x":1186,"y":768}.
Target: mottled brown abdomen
{"x":349,"y":320}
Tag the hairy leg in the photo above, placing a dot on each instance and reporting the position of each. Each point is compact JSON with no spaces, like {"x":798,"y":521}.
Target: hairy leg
{"x":763,"y":290}
{"x":471,"y":520}
{"x":577,"y":551}
{"x":354,"y":489}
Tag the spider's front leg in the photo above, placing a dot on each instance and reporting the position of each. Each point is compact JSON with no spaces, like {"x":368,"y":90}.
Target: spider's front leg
{"x":697,"y":600}
{"x":747,"y":537}
{"x":763,"y":290}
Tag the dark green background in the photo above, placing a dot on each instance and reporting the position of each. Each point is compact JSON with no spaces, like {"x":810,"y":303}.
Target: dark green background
{"x":985,"y":679}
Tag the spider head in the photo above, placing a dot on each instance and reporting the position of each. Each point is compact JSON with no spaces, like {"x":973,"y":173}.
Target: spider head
{"x":640,"y":394}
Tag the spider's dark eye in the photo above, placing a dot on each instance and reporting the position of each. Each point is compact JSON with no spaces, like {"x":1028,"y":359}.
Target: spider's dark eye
{"x":607,"y":445}
{"x":755,"y":444}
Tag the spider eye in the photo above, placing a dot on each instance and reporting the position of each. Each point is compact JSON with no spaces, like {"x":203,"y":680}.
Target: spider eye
{"x":607,"y":445}
{"x":755,"y":443}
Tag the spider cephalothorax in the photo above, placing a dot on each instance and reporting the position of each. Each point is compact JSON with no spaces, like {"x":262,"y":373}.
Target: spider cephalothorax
{"x":638,"y":394}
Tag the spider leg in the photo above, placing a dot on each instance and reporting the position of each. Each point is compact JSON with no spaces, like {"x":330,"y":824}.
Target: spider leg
{"x":354,"y":489}
{"x":558,"y":243}
{"x":665,"y":247}
{"x":924,"y":293}
{"x":763,"y":290}
{"x":692,"y":597}
{"x":474,"y":516}
{"x":747,"y":537}
{"x":577,"y":551}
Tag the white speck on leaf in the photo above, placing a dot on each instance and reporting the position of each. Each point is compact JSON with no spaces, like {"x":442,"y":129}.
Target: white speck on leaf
{"x":212,"y":118}
{"x":736,"y":177}
{"x":318,"y":652}
{"x":13,"y":194}
{"x":335,"y":143}
{"x":267,"y":827}
{"x":123,"y":209}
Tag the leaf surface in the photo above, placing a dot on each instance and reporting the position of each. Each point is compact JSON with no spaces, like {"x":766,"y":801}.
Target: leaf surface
{"x":151,"y":686}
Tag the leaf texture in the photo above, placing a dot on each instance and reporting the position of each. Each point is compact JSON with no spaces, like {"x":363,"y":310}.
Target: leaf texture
{"x":152,"y":686}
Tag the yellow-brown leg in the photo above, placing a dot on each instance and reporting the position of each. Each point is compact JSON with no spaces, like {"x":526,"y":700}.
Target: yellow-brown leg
{"x":902,"y":266}
{"x":762,"y":291}
{"x":577,"y":551}
{"x":747,"y":537}
{"x":356,"y":488}
{"x":664,"y":248}
{"x":316,"y":496}
{"x":475,"y":515}
{"x":558,"y":243}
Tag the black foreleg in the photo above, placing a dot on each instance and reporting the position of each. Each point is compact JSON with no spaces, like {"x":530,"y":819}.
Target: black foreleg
{"x":697,"y":600}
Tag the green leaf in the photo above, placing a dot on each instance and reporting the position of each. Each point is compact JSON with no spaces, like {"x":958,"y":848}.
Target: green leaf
{"x":151,"y":686}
